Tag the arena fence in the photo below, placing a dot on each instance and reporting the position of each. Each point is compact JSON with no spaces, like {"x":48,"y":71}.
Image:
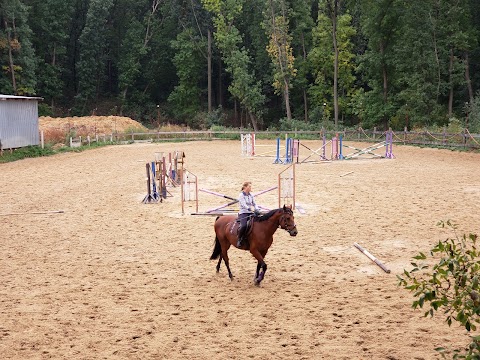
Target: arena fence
{"x":462,"y":139}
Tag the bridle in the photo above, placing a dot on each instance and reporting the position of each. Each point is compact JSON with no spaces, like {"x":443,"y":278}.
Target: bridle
{"x":283,"y":222}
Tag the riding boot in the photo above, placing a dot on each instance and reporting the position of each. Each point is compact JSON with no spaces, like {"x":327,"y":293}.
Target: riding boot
{"x":239,"y":241}
{"x":240,"y":237}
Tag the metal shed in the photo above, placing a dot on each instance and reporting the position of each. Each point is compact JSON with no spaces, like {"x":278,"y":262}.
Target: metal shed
{"x":18,"y":121}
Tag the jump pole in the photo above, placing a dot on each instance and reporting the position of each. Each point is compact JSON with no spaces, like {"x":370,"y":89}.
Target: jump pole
{"x":149,"y":198}
{"x":277,"y":158}
{"x":36,"y":213}
{"x":296,"y":150}
{"x":155,"y":193}
{"x":321,"y":155}
{"x":371,"y":257}
{"x":234,"y":201}
{"x":286,"y":185}
{"x":288,"y":150}
{"x":187,"y":180}
{"x":389,"y":145}
{"x":324,"y":142}
{"x":248,"y":144}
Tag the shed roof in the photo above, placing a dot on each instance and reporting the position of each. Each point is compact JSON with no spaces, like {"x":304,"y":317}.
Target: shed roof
{"x":14,"y":97}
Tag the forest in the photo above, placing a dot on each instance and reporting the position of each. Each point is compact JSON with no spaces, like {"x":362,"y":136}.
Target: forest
{"x":259,"y":64}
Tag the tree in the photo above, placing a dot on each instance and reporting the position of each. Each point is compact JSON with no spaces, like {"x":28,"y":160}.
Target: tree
{"x":450,"y":286}
{"x":302,"y":23}
{"x":473,"y":113}
{"x":279,"y":49}
{"x":380,"y":25}
{"x":236,"y":58}
{"x":93,"y":51}
{"x":17,"y":57}
{"x":430,"y":65}
{"x":187,"y":60}
{"x":333,"y":71}
{"x":50,"y":21}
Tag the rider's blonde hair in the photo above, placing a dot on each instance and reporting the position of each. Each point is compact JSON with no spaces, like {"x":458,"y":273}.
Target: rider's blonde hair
{"x":245,"y":184}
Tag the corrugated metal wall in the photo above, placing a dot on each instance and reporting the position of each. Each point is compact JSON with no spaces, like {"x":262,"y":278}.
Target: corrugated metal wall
{"x":18,"y":123}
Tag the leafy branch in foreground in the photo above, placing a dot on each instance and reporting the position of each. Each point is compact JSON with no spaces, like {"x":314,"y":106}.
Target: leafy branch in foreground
{"x":451,"y":285}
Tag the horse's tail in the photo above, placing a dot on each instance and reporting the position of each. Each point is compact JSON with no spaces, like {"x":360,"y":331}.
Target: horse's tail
{"x":216,"y":250}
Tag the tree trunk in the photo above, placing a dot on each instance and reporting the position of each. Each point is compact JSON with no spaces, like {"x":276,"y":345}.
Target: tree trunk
{"x":467,"y":78}
{"x":335,"y":63}
{"x":286,"y":96}
{"x":209,"y":62}
{"x":450,"y":81}
{"x":385,"y":85}
{"x":220,"y":87}
{"x":235,"y":114}
{"x":281,"y":56}
{"x":253,"y":119}
{"x":305,"y":99}
{"x":124,"y":97}
{"x":54,"y":60}
{"x":10,"y":58}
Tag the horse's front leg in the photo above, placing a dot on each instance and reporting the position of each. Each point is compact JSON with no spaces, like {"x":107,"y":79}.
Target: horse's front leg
{"x":259,"y":265}
{"x":259,"y":275}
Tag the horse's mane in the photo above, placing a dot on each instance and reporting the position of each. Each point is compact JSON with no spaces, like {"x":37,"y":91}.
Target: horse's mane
{"x":267,"y":215}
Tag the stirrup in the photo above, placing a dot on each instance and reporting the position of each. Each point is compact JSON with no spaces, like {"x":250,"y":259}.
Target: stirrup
{"x":239,"y":243}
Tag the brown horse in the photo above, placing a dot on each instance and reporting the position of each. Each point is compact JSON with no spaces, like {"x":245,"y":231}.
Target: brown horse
{"x":259,"y":237}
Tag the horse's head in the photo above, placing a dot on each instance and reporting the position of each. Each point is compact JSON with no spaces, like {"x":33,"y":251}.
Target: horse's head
{"x":287,"y":221}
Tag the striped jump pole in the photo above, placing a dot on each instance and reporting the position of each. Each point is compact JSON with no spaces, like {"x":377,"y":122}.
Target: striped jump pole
{"x":324,"y":138}
{"x":335,"y":147}
{"x":288,"y":151}
{"x":277,"y":158}
{"x":155,"y":193}
{"x":296,"y":150}
{"x":389,"y":145}
{"x":340,"y":154}
{"x":149,"y":199}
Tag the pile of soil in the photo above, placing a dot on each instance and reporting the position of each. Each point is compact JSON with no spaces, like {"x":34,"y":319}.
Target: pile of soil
{"x":57,"y":129}
{"x":95,"y":124}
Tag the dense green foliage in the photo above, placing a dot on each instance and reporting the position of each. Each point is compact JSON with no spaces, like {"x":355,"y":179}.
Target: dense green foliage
{"x":450,"y":286}
{"x":383,"y":63}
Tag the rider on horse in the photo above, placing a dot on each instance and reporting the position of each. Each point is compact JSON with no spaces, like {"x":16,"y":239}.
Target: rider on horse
{"x":247,"y":208}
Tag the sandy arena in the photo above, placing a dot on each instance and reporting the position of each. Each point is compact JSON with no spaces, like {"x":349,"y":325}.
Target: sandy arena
{"x":113,"y":278}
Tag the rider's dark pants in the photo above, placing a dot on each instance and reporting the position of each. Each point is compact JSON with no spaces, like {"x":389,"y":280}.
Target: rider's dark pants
{"x":243,"y":224}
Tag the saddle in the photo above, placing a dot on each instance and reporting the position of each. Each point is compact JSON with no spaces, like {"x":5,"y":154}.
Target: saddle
{"x":235,"y":226}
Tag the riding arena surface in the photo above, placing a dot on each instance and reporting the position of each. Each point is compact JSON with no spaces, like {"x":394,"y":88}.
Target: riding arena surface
{"x":113,"y":278}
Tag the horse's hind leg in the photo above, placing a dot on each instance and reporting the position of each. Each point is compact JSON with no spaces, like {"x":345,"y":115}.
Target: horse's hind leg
{"x":218,"y":264}
{"x":227,"y":264}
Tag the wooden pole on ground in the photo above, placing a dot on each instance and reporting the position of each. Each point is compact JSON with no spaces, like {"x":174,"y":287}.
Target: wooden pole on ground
{"x":371,"y":257}
{"x":36,"y":213}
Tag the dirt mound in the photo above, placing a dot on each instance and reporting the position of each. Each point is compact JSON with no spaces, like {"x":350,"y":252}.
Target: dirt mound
{"x":59,"y":130}
{"x":90,"y":124}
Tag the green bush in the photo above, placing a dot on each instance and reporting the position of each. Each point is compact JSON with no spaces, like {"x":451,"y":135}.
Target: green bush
{"x":450,"y":286}
{"x":299,"y":125}
{"x":474,"y":114}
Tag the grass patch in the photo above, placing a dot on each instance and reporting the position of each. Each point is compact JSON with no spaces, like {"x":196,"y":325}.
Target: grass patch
{"x":25,"y":152}
{"x":37,"y":151}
